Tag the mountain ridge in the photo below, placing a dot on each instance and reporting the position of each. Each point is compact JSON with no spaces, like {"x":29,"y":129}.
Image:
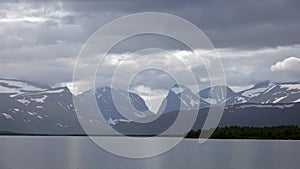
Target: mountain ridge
{"x":26,"y":108}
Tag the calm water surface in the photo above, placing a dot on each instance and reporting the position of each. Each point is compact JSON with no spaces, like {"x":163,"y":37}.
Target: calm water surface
{"x":82,"y":153}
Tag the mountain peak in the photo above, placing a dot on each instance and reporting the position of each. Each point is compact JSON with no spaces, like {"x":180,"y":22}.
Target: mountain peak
{"x":177,"y":90}
{"x":175,"y":85}
{"x":207,"y":93}
{"x":265,"y":83}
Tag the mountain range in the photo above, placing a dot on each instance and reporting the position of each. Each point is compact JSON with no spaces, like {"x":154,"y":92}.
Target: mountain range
{"x":27,"y":107}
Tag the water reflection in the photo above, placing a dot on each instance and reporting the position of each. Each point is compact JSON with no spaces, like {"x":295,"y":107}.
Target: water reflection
{"x":82,"y":153}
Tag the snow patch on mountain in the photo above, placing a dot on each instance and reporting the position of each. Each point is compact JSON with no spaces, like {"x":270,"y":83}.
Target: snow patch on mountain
{"x":8,"y":90}
{"x":40,"y":100}
{"x":116,"y":121}
{"x":194,"y":102}
{"x":177,"y":90}
{"x":55,"y":91}
{"x":291,"y":86}
{"x":16,"y":87}
{"x":210,"y":100}
{"x":7,"y":116}
{"x":23,"y":101}
{"x":298,"y":100}
{"x":254,"y":92}
{"x":279,"y":99}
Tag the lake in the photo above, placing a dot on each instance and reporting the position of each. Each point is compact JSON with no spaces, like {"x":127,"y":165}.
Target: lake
{"x":20,"y":152}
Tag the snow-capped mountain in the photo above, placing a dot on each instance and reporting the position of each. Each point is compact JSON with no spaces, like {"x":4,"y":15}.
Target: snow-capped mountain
{"x":261,"y":93}
{"x":247,"y":95}
{"x":30,"y":108}
{"x":15,"y":87}
{"x":276,"y":93}
{"x":217,"y":94}
{"x":180,"y":95}
{"x":123,"y":103}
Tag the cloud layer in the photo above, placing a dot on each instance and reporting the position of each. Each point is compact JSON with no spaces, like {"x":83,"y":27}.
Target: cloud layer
{"x":40,"y":41}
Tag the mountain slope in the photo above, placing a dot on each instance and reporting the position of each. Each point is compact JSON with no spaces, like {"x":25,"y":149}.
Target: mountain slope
{"x":27,"y":107}
{"x":279,"y":93}
{"x":127,"y":103}
{"x":181,"y":96}
{"x":43,"y":111}
{"x":218,"y":94}
{"x":256,"y":115}
{"x":260,"y":93}
{"x":16,"y":87}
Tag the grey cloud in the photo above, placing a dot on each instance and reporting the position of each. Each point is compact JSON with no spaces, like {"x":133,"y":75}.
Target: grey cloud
{"x":45,"y":51}
{"x":227,"y":23}
{"x":247,"y":24}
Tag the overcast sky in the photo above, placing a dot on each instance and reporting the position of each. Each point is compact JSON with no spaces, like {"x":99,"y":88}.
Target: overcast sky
{"x":256,"y":40}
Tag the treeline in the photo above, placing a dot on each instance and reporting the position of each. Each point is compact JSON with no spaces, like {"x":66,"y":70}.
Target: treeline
{"x":239,"y":132}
